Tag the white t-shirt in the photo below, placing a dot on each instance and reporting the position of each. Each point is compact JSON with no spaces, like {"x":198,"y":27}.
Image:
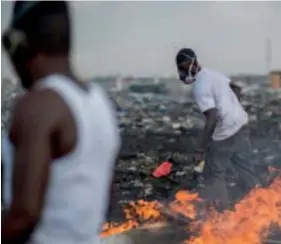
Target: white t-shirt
{"x":212,"y":90}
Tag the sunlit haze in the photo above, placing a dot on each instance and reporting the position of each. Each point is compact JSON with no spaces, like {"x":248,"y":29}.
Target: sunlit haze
{"x":142,"y":38}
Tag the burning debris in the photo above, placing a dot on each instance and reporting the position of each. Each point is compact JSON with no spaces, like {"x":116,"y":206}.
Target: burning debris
{"x":250,"y":221}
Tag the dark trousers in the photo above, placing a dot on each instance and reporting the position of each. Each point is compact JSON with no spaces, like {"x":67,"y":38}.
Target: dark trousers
{"x":232,"y":152}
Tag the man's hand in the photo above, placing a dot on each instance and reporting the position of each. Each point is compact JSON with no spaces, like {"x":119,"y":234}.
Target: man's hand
{"x":199,"y":155}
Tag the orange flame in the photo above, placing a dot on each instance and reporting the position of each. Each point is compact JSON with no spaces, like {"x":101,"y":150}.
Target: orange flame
{"x":184,"y":204}
{"x":248,"y":223}
{"x":142,"y":213}
{"x":137,"y":213}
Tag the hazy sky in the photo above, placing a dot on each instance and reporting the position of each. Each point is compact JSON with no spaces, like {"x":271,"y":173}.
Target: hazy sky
{"x":142,"y":38}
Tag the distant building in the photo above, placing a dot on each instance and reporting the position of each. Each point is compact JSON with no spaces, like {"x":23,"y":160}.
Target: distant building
{"x":275,"y":79}
{"x":148,"y":88}
{"x":107,"y":82}
{"x":250,"y":79}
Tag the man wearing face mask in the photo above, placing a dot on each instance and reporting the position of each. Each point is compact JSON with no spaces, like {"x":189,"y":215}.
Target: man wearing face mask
{"x":63,"y":139}
{"x":225,"y":138}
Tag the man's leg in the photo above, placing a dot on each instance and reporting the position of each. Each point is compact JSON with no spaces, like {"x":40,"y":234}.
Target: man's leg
{"x":218,"y":162}
{"x":242,"y":160}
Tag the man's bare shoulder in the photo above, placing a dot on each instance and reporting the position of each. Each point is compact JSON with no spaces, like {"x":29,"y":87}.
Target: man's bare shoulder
{"x":38,"y":108}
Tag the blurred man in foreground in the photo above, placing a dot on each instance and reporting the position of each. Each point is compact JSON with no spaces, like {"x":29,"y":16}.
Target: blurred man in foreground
{"x":225,"y":136}
{"x":63,"y":133}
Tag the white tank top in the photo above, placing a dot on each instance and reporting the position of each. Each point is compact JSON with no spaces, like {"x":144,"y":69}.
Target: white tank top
{"x":77,"y":196}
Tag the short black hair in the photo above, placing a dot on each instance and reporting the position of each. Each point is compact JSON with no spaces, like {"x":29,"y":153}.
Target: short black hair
{"x":185,"y":54}
{"x":46,"y":25}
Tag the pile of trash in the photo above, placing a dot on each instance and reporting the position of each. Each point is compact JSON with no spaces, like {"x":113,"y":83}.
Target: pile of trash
{"x":155,"y":123}
{"x":157,"y":128}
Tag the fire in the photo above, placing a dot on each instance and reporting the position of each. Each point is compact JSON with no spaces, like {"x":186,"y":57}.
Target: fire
{"x":137,"y":213}
{"x":248,"y":223}
{"x":184,"y":204}
{"x":142,"y":213}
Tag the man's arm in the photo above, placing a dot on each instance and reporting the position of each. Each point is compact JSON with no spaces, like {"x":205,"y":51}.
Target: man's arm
{"x":210,"y":124}
{"x":206,"y":102}
{"x":236,"y":89}
{"x":30,"y":133}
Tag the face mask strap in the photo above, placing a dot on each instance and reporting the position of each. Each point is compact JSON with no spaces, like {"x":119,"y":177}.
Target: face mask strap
{"x":187,"y":76}
{"x":190,"y":67}
{"x":186,"y":56}
{"x":192,"y":62}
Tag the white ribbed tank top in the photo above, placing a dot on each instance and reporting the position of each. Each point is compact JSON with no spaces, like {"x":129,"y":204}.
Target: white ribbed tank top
{"x":77,"y":195}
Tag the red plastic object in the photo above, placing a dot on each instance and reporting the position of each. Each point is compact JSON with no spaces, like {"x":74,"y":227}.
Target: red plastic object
{"x":163,"y":169}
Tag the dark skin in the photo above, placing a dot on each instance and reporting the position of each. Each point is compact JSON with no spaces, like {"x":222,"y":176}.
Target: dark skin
{"x":42,"y":129}
{"x":210,"y":115}
{"x":184,"y":66}
{"x":210,"y":125}
{"x":236,"y":89}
